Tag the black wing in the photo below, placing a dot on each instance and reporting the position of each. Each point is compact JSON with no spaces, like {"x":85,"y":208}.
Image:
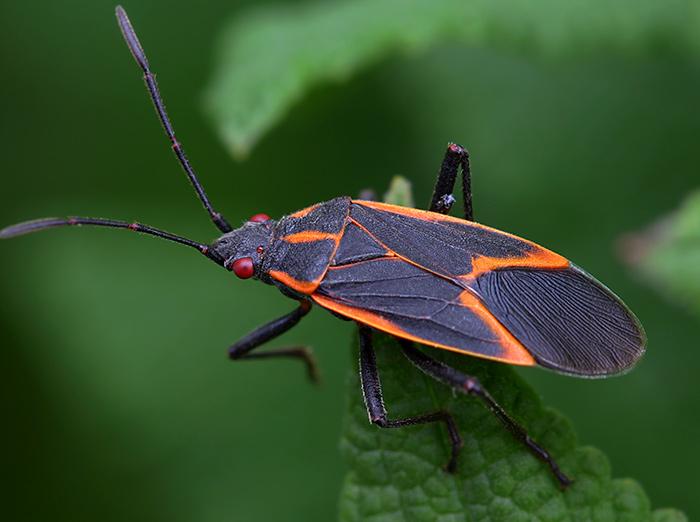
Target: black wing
{"x":458,"y":285}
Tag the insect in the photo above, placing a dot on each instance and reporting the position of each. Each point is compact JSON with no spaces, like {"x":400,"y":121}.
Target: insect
{"x":422,"y":276}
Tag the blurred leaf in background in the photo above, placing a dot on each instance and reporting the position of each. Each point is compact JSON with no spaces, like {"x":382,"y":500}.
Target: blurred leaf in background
{"x":120,"y":401}
{"x":667,"y":254}
{"x":271,"y":57}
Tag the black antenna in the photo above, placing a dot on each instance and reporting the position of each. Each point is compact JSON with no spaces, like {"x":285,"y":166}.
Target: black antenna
{"x":140,"y":56}
{"x":41,"y":224}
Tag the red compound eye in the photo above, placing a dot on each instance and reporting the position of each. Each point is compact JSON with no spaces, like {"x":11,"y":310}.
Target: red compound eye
{"x":259,"y":218}
{"x":243,"y":267}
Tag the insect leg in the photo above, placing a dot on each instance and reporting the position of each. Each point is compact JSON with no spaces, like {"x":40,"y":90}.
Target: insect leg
{"x":374,"y":402}
{"x":456,"y":156}
{"x":470,"y":386}
{"x":242,"y":348}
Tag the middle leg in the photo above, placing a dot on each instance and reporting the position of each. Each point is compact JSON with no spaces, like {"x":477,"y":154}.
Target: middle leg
{"x":374,"y":401}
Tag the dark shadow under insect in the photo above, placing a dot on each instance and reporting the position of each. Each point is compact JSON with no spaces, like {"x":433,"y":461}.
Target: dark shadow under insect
{"x":421,"y":276}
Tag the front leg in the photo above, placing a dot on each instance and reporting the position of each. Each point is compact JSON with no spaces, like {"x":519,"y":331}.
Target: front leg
{"x":242,"y":348}
{"x":456,"y":156}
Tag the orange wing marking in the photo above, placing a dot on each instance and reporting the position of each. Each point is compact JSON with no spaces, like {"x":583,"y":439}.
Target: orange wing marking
{"x":303,"y":212}
{"x":425,"y":215}
{"x":434,"y":217}
{"x":303,"y":287}
{"x":513,"y":351}
{"x":540,"y":258}
{"x":309,"y":236}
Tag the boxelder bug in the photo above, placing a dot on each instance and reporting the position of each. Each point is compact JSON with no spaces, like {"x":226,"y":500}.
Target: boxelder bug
{"x":421,"y":276}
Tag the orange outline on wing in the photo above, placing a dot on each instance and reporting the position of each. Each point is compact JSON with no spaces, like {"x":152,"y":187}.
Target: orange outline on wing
{"x":514,"y":351}
{"x":303,"y":287}
{"x":304,"y":211}
{"x":426,"y":215}
{"x":539,"y":257}
{"x":512,"y":347}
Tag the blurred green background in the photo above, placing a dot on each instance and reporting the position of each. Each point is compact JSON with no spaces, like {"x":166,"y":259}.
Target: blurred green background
{"x":119,"y":401}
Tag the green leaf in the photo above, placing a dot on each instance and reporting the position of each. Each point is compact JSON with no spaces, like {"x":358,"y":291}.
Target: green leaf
{"x":399,"y":192}
{"x":397,"y":474}
{"x":668,"y":254}
{"x":271,"y":56}
{"x":668,"y":515}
